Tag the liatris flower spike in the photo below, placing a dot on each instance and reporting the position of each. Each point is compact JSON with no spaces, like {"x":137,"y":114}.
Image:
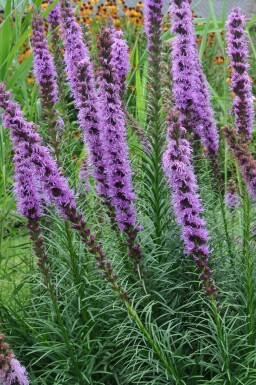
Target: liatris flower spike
{"x":240,"y":80}
{"x":190,"y":90}
{"x":45,"y":75}
{"x":232,"y":198}
{"x":186,"y":201}
{"x":120,"y":58}
{"x":182,"y":57}
{"x":44,"y":70}
{"x":116,"y":152}
{"x":81,"y":79}
{"x":153,"y":13}
{"x":11,"y":371}
{"x":54,"y":16}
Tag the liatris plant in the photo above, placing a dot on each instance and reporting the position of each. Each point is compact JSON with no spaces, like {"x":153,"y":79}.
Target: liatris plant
{"x":244,"y":157}
{"x":11,"y":371}
{"x":187,"y":203}
{"x":190,"y":90}
{"x":232,"y":198}
{"x":81,"y":79}
{"x":240,"y":80}
{"x":116,"y":152}
{"x":154,"y":181}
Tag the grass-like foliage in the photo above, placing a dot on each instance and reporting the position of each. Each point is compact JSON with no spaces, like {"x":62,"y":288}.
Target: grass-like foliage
{"x":127,"y":191}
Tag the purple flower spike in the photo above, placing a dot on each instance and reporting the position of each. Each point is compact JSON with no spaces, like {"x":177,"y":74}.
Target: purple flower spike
{"x":81,"y":79}
{"x":54,"y":16}
{"x":187,"y":204}
{"x":191,"y":93}
{"x":153,"y":14}
{"x":45,"y":75}
{"x":232,"y":198}
{"x":240,"y":80}
{"x":44,"y":69}
{"x":120,"y":58}
{"x":116,"y":154}
{"x":182,"y":57}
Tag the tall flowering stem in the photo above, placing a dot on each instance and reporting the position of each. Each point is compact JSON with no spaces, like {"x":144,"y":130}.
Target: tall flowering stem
{"x":244,"y":157}
{"x":153,"y":15}
{"x":45,"y":75}
{"x":190,"y":90}
{"x":81,"y":80}
{"x":240,"y":80}
{"x":116,"y":152}
{"x":11,"y":371}
{"x":54,"y":185}
{"x":186,"y":201}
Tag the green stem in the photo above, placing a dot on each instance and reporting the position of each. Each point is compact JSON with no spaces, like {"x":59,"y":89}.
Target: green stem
{"x":222,"y":343}
{"x":249,"y":270}
{"x":75,"y":268}
{"x":225,"y":223}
